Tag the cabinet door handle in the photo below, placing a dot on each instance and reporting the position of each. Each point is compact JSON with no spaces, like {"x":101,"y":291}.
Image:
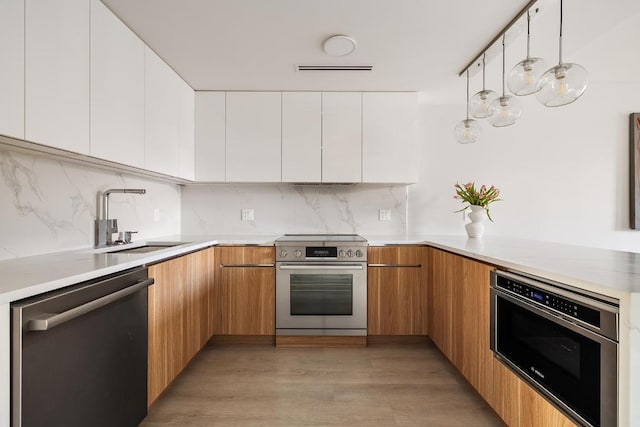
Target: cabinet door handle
{"x":397,"y":265}
{"x":245,"y":265}
{"x":53,"y":320}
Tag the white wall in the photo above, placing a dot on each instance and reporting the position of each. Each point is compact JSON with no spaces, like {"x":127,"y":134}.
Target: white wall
{"x":285,"y":208}
{"x":563,"y":171}
{"x":49,"y":205}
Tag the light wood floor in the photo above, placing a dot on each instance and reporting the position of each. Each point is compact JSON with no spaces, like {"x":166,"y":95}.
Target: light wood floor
{"x":381,"y":385}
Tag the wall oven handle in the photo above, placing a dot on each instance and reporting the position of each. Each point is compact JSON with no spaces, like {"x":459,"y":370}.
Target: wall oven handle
{"x":53,"y":320}
{"x":322,"y":267}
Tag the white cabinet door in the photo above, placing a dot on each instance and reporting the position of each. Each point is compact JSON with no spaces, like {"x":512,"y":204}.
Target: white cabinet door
{"x":341,"y":137}
{"x":117,"y":89}
{"x":12,"y":68}
{"x":161,"y":115}
{"x":253,"y":136}
{"x":301,"y":137}
{"x":57,"y":73}
{"x":210,"y":136}
{"x":186,"y":131}
{"x":389,"y":137}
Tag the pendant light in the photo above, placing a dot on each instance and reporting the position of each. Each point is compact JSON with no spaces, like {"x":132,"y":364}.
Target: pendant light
{"x":564,"y":83}
{"x":523,"y":78}
{"x":467,"y":130}
{"x":505,"y":110}
{"x":479,"y":106}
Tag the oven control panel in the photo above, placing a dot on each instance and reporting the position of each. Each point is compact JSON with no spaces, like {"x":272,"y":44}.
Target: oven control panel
{"x":558,"y":303}
{"x":321,"y":253}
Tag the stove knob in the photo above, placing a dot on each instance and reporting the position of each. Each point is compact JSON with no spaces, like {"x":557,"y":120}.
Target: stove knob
{"x":298,"y":253}
{"x":341,"y":254}
{"x":358,"y":253}
{"x":283,"y":253}
{"x":349,"y":253}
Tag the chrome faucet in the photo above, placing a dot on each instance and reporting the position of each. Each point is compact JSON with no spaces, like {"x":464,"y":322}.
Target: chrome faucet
{"x":105,"y":227}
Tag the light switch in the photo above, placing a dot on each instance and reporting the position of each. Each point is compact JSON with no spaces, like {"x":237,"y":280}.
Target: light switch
{"x":384,"y":215}
{"x":247,"y":215}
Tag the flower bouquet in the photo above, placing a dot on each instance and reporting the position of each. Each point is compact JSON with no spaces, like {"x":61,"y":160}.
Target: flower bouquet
{"x":474,"y":197}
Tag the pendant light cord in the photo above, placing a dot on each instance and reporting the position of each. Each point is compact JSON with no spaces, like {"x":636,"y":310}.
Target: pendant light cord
{"x":467,"y":94}
{"x":503,"y":66}
{"x":560,"y":50}
{"x":484,"y":55}
{"x":528,"y":34}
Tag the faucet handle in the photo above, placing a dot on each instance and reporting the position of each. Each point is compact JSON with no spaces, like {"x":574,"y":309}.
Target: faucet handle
{"x":127,"y":236}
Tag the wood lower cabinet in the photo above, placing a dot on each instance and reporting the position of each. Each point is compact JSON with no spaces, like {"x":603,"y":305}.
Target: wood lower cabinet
{"x":518,"y":404}
{"x":459,"y":326}
{"x":459,"y":318}
{"x":396,"y":291}
{"x":180,"y":313}
{"x":245,"y":290}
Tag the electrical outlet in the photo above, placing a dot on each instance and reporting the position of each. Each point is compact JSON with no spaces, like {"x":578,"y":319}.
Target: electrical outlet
{"x":156,"y":215}
{"x":247,"y":215}
{"x":384,"y":215}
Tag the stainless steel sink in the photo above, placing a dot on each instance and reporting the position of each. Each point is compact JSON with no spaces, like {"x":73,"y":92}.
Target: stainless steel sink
{"x":137,"y":248}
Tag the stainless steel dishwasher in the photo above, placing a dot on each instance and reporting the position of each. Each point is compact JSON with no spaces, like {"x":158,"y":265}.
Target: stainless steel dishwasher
{"x":79,"y":354}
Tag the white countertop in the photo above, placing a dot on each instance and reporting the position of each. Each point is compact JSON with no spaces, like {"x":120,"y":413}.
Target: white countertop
{"x":612,"y":273}
{"x":28,"y":276}
{"x":604,"y":271}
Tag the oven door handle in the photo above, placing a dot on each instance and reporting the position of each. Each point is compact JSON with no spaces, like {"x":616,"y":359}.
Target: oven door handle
{"x":322,"y":267}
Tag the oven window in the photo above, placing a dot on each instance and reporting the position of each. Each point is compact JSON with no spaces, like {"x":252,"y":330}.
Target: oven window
{"x":566,"y":363}
{"x":321,"y":294}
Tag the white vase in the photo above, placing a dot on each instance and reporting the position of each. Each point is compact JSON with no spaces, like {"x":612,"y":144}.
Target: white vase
{"x":477,"y":216}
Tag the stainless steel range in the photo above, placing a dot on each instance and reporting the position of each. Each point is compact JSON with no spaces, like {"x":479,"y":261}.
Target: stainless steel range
{"x":321,"y":284}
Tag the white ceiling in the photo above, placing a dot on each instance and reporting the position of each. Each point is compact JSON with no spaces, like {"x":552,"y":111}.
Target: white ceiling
{"x":255,"y":44}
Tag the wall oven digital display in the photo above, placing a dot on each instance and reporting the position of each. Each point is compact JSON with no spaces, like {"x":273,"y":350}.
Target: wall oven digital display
{"x":321,"y":252}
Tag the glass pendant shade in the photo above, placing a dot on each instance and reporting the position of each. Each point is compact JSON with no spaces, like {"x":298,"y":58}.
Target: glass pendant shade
{"x":564,"y":83}
{"x":467,"y":131}
{"x":479,"y":103}
{"x":523,"y":78}
{"x":504,"y":111}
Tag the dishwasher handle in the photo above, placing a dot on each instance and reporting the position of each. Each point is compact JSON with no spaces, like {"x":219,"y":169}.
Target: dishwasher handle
{"x":53,"y":320}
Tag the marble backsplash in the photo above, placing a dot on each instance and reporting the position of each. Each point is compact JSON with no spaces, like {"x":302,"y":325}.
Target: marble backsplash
{"x":288,"y":208}
{"x":48,"y":205}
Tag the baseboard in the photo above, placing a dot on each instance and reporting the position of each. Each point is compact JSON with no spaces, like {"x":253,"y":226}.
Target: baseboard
{"x":397,"y":339}
{"x":243,"y":339}
{"x":320,"y":341}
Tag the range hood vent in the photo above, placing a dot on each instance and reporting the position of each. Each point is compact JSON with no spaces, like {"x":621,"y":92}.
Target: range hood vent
{"x":334,"y":67}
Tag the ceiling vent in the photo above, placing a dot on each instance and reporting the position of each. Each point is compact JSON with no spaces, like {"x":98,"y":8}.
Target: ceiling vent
{"x":334,"y":67}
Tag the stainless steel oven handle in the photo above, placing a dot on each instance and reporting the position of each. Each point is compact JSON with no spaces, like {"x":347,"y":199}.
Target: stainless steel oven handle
{"x":322,"y":267}
{"x":53,"y":320}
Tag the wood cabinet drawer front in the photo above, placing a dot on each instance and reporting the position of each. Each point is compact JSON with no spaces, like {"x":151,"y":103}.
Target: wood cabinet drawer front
{"x":396,"y":255}
{"x":231,"y":255}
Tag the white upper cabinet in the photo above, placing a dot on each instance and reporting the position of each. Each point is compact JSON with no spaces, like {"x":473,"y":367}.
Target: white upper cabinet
{"x":253,"y":142}
{"x":161,"y":116}
{"x":186,"y":131}
{"x":12,"y":68}
{"x":57,"y":73}
{"x":210,"y":136}
{"x":341,"y":137}
{"x":301,"y":137}
{"x":117,"y":89}
{"x":389,"y":137}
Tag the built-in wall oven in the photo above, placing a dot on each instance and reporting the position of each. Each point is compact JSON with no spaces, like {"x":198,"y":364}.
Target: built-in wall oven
{"x":563,"y":342}
{"x":321,"y":285}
